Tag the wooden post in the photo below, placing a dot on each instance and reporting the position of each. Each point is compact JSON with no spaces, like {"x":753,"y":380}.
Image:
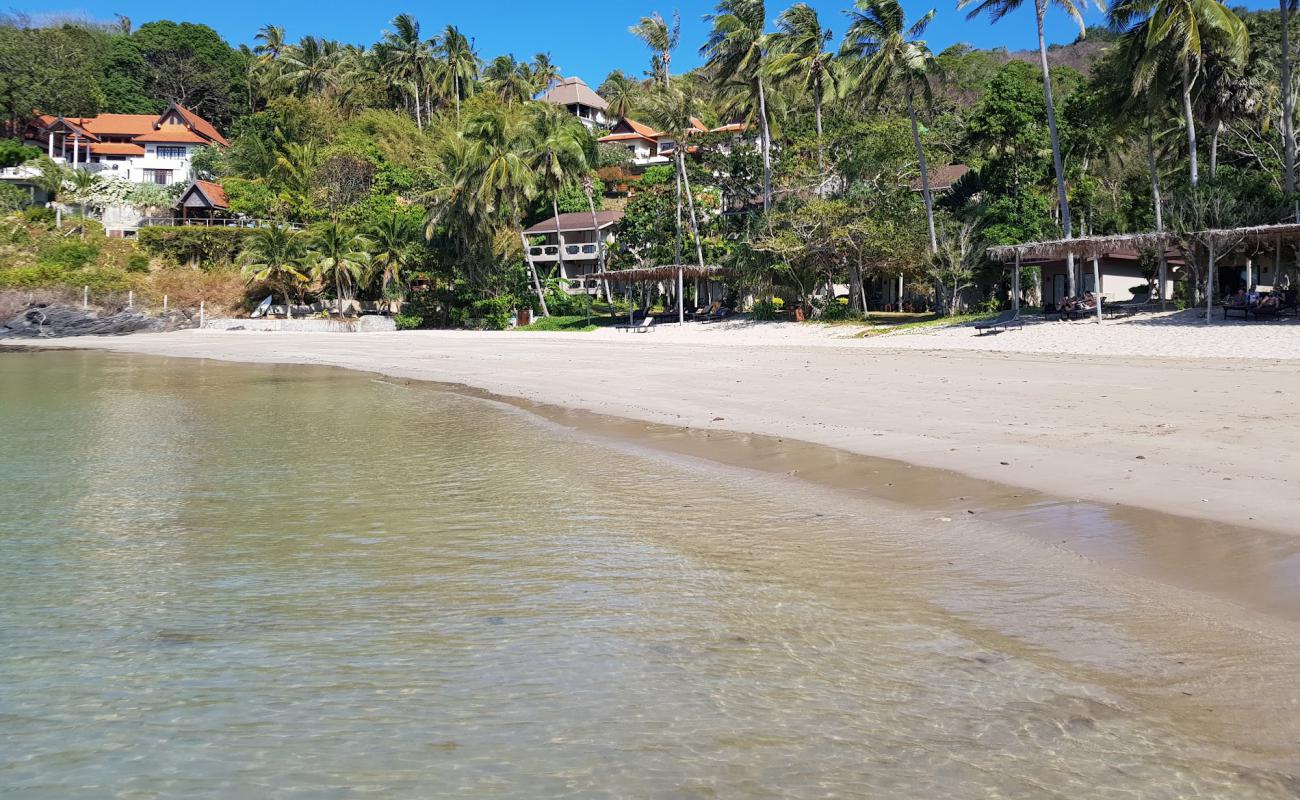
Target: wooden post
{"x":681,"y":311}
{"x":203,"y":314}
{"x":1209,"y":285}
{"x":130,"y":299}
{"x":1096,"y":286}
{"x":1015,"y":285}
{"x":1250,"y":276}
{"x":629,"y":302}
{"x":85,"y":298}
{"x":164,"y":304}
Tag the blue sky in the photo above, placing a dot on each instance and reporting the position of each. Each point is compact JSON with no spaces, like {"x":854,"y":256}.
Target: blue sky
{"x":587,"y":38}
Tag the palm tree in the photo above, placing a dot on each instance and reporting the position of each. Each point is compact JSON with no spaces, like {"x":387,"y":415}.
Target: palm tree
{"x":997,"y":9}
{"x":736,"y":51}
{"x":510,"y":80}
{"x":662,"y":40}
{"x":406,"y":60}
{"x":799,"y":57}
{"x":272,"y":42}
{"x":339,"y":255}
{"x":558,"y":159}
{"x":1288,"y":103}
{"x":458,"y":64}
{"x":673,"y":111}
{"x":887,"y":56}
{"x":544,"y":72}
{"x":274,"y":255}
{"x":1170,"y":39}
{"x":1225,"y":95}
{"x":393,"y":250}
{"x":83,"y":182}
{"x":621,"y":92}
{"x":307,"y":65}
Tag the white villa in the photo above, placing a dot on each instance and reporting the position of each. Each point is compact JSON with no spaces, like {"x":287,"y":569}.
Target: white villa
{"x":590,"y":109}
{"x":650,"y":147}
{"x":143,"y":148}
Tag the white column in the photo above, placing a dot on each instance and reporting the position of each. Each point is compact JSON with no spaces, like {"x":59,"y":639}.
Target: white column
{"x":49,"y":150}
{"x":681,"y":312}
{"x":1250,"y":273}
{"x":1096,"y":286}
{"x":1015,"y":285}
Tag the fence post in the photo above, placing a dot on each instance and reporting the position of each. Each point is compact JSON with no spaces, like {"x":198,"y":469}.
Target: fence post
{"x":85,"y":298}
{"x":202,"y":313}
{"x":130,"y":299}
{"x":164,"y":304}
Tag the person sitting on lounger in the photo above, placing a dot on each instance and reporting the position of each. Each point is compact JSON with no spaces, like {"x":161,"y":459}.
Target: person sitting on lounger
{"x":1268,"y":301}
{"x":1237,"y":298}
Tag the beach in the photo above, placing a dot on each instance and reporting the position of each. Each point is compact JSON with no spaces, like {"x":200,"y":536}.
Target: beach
{"x":1203,"y":438}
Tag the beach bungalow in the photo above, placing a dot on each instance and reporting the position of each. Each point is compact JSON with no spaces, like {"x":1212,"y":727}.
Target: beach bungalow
{"x":568,"y":246}
{"x":1120,"y":271}
{"x":589,"y":107}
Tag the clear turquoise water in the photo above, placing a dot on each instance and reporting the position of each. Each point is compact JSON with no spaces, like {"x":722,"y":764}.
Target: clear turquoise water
{"x":236,"y":581}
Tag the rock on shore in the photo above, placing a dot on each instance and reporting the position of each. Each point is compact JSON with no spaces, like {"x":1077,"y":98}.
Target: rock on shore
{"x":42,"y":321}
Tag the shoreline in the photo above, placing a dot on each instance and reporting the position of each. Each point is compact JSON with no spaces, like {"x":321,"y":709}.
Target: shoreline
{"x":1170,"y":436}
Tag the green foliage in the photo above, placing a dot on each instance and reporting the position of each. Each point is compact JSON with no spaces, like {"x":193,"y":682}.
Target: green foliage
{"x":14,"y":153}
{"x":206,"y":247}
{"x":493,"y":312}
{"x":137,"y":262}
{"x":68,"y":254}
{"x":768,"y":309}
{"x":837,"y":310}
{"x":12,"y":198}
{"x":39,"y":215}
{"x":408,"y":322}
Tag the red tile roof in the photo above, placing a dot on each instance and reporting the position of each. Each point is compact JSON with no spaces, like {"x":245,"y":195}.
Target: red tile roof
{"x":172,"y":133}
{"x":143,"y":127}
{"x":116,"y":149}
{"x":201,"y":125}
{"x":212,"y":192}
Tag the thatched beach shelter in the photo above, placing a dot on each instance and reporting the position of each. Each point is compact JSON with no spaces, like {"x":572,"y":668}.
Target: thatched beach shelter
{"x":679,"y":272}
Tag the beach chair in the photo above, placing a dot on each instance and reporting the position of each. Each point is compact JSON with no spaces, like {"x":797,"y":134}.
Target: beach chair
{"x":706,"y":312}
{"x":718,"y":314}
{"x":1006,"y":320}
{"x":1140,"y":302}
{"x":646,"y":324}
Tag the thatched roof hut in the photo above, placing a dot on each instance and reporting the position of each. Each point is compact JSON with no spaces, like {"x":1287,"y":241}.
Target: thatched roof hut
{"x":662,"y":272}
{"x":1097,"y":246}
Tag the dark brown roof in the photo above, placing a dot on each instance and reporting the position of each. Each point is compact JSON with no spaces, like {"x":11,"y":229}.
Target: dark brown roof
{"x":942,"y":178}
{"x":212,"y":192}
{"x":572,"y":90}
{"x":576,"y":221}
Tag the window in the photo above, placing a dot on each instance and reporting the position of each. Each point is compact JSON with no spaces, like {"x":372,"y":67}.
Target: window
{"x":171,"y":152}
{"x":159,"y":176}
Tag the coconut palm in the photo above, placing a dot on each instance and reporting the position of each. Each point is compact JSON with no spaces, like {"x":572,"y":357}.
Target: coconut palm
{"x":1225,"y":95}
{"x":339,"y":255}
{"x":886,"y":57}
{"x":406,"y":60}
{"x":457,"y":66}
{"x":674,"y":111}
{"x":558,"y":158}
{"x":510,"y":80}
{"x":621,"y":92}
{"x":393,"y":250}
{"x":799,"y":57}
{"x":307,"y":65}
{"x":736,"y":51}
{"x":274,"y":255}
{"x":996,"y":10}
{"x":662,"y":39}
{"x":1169,"y":41}
{"x":271,"y":42}
{"x":544,"y":72}
{"x":1285,"y":8}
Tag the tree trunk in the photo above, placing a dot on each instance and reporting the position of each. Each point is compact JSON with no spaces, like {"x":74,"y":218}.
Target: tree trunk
{"x":419,"y":120}
{"x":1214,"y":150}
{"x":1158,"y":202}
{"x":532,"y":270}
{"x":559,"y":237}
{"x":1066,"y":225}
{"x":1191,"y":123}
{"x":855,"y":285}
{"x":677,"y":169}
{"x":455,"y":88}
{"x":1288,"y":106}
{"x":925,"y":174}
{"x":817,"y":107}
{"x":600,"y":243}
{"x":695,"y":222}
{"x":766,"y":146}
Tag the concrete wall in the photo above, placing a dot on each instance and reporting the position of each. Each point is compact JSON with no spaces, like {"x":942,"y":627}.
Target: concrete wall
{"x":368,"y":324}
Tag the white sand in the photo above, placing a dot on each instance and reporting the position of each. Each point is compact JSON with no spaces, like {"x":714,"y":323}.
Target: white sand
{"x":1213,"y":438}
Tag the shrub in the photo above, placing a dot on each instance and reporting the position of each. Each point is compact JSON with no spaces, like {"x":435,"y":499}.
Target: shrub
{"x":837,"y":310}
{"x":563,"y":304}
{"x":766,"y":310}
{"x":203,"y":247}
{"x":12,"y":198}
{"x":408,"y":322}
{"x":137,"y":262}
{"x":493,"y":311}
{"x":69,"y":254}
{"x":39,"y":215}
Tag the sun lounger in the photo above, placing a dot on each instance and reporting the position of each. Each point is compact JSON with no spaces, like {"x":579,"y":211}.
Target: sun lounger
{"x":718,"y":314}
{"x":705,"y":313}
{"x":1005,"y":321}
{"x":644,"y":325}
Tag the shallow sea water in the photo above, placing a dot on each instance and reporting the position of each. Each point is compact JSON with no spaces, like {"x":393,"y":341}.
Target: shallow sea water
{"x":226,"y":580}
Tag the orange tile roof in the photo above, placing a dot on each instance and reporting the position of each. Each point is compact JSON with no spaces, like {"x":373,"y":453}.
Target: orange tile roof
{"x":172,"y":133}
{"x":116,"y":149}
{"x":215,"y":194}
{"x":120,"y":124}
{"x":623,"y":137}
{"x":201,"y":125}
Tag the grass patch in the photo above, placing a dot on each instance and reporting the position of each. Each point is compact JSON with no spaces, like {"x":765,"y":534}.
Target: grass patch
{"x":888,"y":323}
{"x":557,"y":323}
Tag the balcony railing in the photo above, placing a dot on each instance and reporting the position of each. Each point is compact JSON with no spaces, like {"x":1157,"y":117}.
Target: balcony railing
{"x":202,"y":222}
{"x":572,"y":252}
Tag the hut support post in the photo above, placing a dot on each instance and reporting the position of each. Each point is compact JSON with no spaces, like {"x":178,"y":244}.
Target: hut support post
{"x":1096,"y":285}
{"x":1164,"y":279}
{"x":1209,"y":285}
{"x":1015,"y":285}
{"x":629,"y":303}
{"x":1250,"y":273}
{"x":681,"y":311}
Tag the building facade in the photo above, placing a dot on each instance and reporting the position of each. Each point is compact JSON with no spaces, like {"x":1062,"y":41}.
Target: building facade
{"x":576,"y":96}
{"x":568,"y":247}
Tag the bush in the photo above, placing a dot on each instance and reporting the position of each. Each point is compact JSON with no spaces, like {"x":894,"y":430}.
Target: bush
{"x":203,"y":247}
{"x":408,"y":322}
{"x":137,"y":262}
{"x":12,"y":198}
{"x":767,"y":310}
{"x":836,"y":310}
{"x":563,"y":304}
{"x":69,"y":254}
{"x":39,"y":215}
{"x":494,"y":312}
